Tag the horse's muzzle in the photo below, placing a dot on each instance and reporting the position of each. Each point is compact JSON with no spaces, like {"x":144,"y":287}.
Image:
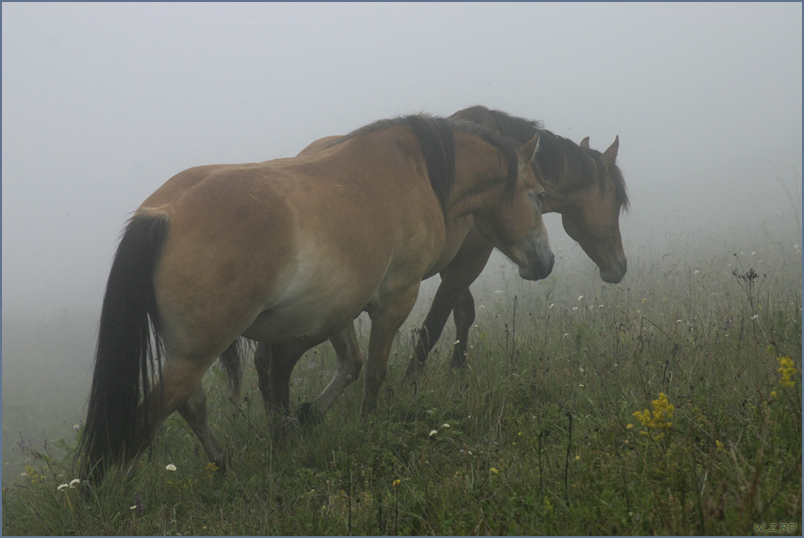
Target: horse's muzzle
{"x":540,"y":267}
{"x":613,"y":275}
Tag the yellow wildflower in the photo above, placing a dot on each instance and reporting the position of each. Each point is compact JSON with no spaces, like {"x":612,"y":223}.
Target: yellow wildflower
{"x":547,"y":506}
{"x":787,"y":370}
{"x":659,"y":419}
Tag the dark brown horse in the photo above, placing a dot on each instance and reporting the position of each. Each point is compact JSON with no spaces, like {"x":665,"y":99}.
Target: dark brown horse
{"x":289,"y":252}
{"x":585,"y":186}
{"x":582,"y":184}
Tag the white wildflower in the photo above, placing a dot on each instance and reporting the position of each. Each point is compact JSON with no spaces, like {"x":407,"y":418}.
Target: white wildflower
{"x":170,"y":467}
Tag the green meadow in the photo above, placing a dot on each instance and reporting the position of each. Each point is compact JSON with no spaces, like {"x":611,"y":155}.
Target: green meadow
{"x":667,"y":404}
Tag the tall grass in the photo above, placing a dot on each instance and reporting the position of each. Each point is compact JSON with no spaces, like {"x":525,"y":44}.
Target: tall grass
{"x":663,"y":405}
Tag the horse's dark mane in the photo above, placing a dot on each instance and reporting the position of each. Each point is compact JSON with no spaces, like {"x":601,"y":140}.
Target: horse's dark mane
{"x":616,"y":176}
{"x":437,"y":140}
{"x":557,"y":156}
{"x":518,"y":129}
{"x":561,"y":156}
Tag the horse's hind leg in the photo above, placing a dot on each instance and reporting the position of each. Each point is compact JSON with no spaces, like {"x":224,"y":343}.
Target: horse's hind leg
{"x":194,"y":411}
{"x":274,"y":364}
{"x":172,"y":392}
{"x":350,"y":362}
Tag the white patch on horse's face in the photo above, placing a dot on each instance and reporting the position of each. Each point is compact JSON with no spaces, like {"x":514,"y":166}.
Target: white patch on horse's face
{"x":537,"y":255}
{"x":532,"y":254}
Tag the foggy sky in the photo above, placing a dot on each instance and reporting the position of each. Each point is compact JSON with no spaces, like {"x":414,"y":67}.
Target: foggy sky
{"x":102,"y":103}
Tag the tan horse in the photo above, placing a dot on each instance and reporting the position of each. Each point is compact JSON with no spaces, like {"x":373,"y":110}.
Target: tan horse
{"x":582,"y":184}
{"x":289,"y":252}
{"x":275,"y":362}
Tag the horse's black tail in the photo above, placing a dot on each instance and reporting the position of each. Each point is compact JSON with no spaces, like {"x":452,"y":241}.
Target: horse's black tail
{"x":128,"y":355}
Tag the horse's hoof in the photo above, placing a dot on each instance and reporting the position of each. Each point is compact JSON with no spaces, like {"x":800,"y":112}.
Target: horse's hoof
{"x":308,"y":414}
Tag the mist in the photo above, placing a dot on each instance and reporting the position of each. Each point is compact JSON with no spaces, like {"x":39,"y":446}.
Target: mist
{"x":102,"y":103}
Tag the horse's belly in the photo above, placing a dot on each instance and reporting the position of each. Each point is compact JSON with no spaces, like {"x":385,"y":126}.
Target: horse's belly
{"x":315,"y":304}
{"x":299,"y":322}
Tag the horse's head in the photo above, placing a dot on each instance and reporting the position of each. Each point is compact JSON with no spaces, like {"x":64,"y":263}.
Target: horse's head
{"x":515,"y":226}
{"x":591,"y":214}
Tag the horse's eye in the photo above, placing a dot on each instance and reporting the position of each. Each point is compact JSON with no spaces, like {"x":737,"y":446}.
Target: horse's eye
{"x":537,"y":197}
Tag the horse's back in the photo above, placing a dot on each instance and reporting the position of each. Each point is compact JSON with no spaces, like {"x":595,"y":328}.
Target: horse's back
{"x":259,"y":241}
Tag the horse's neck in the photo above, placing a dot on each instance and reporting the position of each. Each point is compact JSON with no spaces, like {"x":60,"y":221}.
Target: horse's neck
{"x":480,"y":172}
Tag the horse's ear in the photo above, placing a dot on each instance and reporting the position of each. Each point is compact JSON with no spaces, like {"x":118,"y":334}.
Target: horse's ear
{"x":584,"y":143}
{"x":528,"y":150}
{"x":610,"y":155}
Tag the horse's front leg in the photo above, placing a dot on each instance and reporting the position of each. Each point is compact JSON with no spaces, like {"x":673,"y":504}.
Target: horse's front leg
{"x":385,"y":322}
{"x":455,"y":281}
{"x":463,"y":313}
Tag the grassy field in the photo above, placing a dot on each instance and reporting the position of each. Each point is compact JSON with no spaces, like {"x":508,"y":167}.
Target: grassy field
{"x":667,"y":404}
